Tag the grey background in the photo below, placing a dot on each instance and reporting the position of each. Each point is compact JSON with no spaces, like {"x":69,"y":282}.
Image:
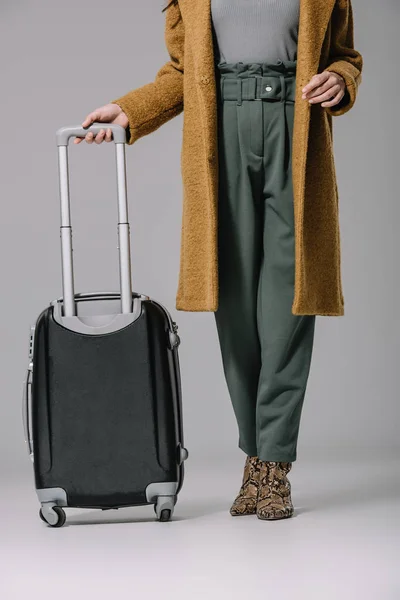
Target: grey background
{"x":55,"y":72}
{"x":60,"y":61}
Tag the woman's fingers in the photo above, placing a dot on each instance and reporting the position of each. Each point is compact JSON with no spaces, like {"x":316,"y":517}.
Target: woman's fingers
{"x":327,"y":87}
{"x":315,"y":82}
{"x":91,"y":118}
{"x":100,"y":136}
{"x":89,"y":137}
{"x":335,"y":90}
{"x":335,"y":100}
{"x":109,"y":113}
{"x":317,"y":91}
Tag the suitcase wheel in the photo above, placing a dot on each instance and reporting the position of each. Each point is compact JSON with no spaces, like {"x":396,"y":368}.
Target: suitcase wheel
{"x":164,"y":508}
{"x":55,"y":518}
{"x":165,"y":515}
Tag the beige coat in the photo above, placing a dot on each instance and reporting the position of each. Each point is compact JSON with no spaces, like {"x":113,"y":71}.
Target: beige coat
{"x":187,"y":82}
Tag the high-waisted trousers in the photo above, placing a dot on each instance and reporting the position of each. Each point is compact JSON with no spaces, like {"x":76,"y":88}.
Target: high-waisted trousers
{"x":266,"y":350}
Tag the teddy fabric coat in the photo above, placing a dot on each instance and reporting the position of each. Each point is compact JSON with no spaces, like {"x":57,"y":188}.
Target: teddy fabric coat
{"x":187,"y":83}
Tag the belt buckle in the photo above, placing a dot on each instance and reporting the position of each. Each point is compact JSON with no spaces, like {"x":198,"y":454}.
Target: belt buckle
{"x":269,"y":87}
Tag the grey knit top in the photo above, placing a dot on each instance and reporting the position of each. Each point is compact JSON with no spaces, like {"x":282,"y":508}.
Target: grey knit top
{"x":255,"y":30}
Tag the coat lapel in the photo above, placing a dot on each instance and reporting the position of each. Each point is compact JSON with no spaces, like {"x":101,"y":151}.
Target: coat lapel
{"x":197,"y":14}
{"x":313,"y":23}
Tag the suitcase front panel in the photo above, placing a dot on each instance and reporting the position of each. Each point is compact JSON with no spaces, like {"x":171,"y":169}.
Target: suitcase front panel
{"x":103,"y":411}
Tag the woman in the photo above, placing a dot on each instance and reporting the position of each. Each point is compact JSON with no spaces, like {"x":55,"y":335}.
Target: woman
{"x":259,"y":82}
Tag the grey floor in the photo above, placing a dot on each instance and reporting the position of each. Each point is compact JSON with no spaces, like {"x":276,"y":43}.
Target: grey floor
{"x":342,"y":543}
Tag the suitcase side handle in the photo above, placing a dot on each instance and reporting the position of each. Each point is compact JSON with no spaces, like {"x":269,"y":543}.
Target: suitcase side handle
{"x":63,"y":135}
{"x":26,"y":410}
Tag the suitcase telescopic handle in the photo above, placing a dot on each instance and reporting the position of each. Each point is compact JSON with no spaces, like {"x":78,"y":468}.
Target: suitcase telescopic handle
{"x":63,"y":136}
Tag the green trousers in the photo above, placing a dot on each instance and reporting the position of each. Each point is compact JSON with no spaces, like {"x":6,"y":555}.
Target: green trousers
{"x":266,"y":350}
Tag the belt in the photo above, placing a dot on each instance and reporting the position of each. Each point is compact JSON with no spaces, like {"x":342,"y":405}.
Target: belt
{"x":258,"y":87}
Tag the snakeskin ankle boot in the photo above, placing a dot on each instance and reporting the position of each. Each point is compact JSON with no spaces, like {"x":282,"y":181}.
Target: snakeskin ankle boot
{"x":274,"y":499}
{"x":245,"y":502}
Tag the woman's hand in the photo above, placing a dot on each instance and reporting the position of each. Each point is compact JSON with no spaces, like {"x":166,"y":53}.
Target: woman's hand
{"x":326,"y":87}
{"x":109,"y":113}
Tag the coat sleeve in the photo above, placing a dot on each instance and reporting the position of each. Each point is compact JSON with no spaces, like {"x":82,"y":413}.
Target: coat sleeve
{"x":343,"y":58}
{"x":153,"y":104}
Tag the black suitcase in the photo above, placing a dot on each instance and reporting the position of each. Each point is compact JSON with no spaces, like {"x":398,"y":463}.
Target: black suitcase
{"x":102,"y":400}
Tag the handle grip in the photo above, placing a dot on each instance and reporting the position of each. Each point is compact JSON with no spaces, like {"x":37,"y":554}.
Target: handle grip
{"x":64,"y":134}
